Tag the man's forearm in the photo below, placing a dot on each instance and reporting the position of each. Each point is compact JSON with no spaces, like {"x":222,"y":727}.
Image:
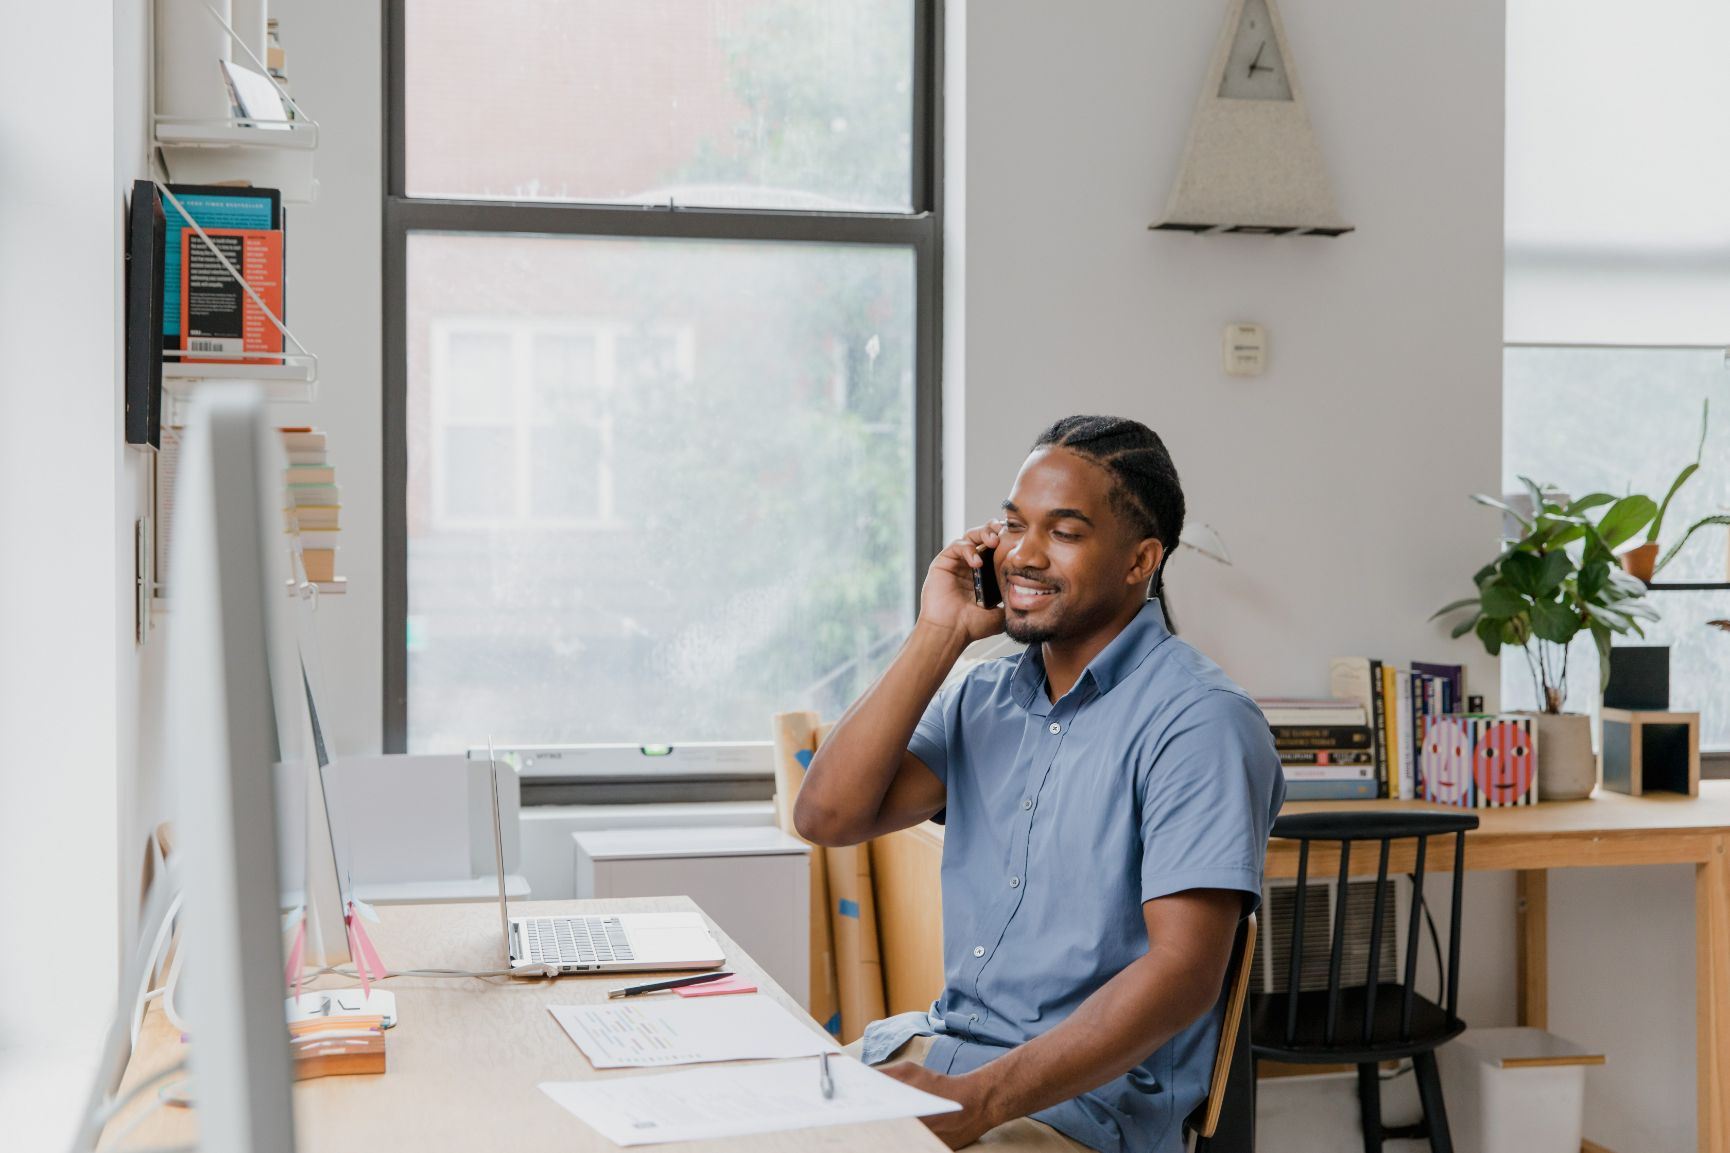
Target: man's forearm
{"x":845,"y":787}
{"x":1115,"y":1029}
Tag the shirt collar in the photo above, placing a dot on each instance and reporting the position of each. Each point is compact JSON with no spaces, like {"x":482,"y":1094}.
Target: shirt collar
{"x":1144,"y":633}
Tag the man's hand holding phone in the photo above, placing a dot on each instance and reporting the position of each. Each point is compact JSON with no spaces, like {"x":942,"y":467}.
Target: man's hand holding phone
{"x":949,"y":598}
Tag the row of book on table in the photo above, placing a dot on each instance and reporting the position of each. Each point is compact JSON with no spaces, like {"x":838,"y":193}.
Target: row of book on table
{"x":312,"y":505}
{"x":1406,"y":733}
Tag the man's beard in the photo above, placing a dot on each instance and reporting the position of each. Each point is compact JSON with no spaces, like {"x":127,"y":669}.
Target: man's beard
{"x":1027,"y":633}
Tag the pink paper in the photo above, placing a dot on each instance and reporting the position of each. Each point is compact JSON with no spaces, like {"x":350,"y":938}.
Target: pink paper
{"x":717,"y":988}
{"x":292,"y":977}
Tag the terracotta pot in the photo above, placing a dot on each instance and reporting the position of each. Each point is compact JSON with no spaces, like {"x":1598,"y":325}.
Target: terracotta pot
{"x":1639,"y":561}
{"x":1567,"y":767}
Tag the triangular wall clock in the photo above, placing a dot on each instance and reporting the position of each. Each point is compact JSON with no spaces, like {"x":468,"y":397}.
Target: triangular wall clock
{"x":1251,"y":163}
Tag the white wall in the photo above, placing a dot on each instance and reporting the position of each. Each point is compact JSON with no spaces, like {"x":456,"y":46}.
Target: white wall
{"x":68,"y":491}
{"x":334,"y":66}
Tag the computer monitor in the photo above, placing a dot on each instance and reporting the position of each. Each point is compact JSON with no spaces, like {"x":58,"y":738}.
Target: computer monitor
{"x":221,"y":743}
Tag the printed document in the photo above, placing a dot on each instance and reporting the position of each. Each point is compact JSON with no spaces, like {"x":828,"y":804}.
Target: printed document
{"x":652,"y":1030}
{"x":735,"y":1100}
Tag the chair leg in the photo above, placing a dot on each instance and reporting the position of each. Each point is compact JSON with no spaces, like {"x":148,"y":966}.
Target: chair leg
{"x":1430,"y":1094}
{"x":1370,"y":1106}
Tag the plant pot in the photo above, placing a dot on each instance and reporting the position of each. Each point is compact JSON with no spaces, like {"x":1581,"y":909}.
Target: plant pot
{"x":1639,"y":561}
{"x":1567,"y":767}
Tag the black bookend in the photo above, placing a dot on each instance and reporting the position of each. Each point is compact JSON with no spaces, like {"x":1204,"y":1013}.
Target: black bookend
{"x":146,"y":232}
{"x":1639,"y":678}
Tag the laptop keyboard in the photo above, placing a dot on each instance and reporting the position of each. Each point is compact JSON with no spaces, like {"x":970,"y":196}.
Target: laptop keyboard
{"x":576,"y":940}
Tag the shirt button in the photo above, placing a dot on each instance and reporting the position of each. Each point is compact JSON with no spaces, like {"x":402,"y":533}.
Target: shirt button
{"x":1055,"y":727}
{"x":1015,"y":882}
{"x":979,"y":950}
{"x":1027,"y":802}
{"x":973,"y":1018}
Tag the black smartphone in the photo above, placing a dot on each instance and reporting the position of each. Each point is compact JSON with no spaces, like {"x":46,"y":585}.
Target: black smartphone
{"x":986,"y":594}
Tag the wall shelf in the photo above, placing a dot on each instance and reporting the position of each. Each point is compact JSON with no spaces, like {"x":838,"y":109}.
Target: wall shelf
{"x":1687,"y":586}
{"x":277,"y":154}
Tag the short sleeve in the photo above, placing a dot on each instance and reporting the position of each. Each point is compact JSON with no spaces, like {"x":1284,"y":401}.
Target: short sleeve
{"x":1208,"y":799}
{"x":930,"y":741}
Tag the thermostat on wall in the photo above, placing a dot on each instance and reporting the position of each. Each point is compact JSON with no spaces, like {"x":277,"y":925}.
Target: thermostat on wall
{"x":1245,"y":349}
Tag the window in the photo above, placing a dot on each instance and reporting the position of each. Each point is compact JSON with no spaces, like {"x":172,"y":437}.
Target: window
{"x":661,"y":317}
{"x":1618,"y":299}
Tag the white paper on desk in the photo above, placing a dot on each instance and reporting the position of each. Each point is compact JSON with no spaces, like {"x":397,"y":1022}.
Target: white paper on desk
{"x":649,"y":1030}
{"x":734,"y":1100}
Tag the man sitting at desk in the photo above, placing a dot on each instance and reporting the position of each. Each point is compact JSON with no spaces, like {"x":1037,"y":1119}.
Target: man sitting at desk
{"x":1107,"y":795}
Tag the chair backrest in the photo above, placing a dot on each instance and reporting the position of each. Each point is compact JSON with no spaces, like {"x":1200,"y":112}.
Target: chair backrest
{"x":1205,"y":1119}
{"x":1346,"y":829}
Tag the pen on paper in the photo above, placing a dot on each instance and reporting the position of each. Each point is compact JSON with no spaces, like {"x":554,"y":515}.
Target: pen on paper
{"x":824,"y":1081}
{"x":658,"y":986}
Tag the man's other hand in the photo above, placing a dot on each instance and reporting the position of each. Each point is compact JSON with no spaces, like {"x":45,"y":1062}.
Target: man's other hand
{"x":956,"y":1130}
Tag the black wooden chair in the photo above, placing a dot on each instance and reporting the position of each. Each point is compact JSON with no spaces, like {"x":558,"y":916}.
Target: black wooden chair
{"x":1209,"y":1128}
{"x":1359,"y":1019}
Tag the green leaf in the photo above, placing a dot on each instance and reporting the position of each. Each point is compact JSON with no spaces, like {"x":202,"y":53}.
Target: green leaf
{"x":1601,"y":637}
{"x":1485,"y":573}
{"x":1501,"y":602}
{"x":1625,"y":518}
{"x":1536,"y":493}
{"x":1677,"y":547}
{"x":1466,"y":626}
{"x":1594,"y":579}
{"x":1492,"y":502}
{"x":1455,"y":607}
{"x":1658,"y":521}
{"x":1588,"y":502}
{"x":1523,"y":571}
{"x":1555,"y":622}
{"x":1490,"y":633}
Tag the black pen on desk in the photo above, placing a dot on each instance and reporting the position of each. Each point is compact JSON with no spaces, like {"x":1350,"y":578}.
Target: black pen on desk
{"x":824,"y":1081}
{"x":656,"y":987}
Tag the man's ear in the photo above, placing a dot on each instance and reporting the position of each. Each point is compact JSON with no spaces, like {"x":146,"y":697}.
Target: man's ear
{"x":1148,"y":555}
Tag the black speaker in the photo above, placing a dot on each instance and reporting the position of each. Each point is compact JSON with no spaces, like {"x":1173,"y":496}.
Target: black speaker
{"x":1639,"y":678}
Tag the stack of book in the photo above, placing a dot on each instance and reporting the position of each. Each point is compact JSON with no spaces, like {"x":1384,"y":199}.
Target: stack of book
{"x":312,"y":503}
{"x":1326,"y":748}
{"x":1401,"y":704}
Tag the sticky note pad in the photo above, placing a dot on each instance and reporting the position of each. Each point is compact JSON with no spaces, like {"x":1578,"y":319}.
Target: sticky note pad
{"x":717,"y":988}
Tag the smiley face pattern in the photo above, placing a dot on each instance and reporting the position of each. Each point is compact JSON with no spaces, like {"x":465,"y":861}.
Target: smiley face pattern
{"x":1487,"y":762}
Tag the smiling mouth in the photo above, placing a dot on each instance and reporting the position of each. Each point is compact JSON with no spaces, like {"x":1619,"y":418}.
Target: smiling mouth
{"x":1030,"y":593}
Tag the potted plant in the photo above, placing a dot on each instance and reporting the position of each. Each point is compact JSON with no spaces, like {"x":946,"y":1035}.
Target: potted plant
{"x":1559,"y":577}
{"x":1642,"y":561}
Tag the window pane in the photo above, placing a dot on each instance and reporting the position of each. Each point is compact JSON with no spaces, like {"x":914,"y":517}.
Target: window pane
{"x":1615,"y":420}
{"x":731,"y":103}
{"x":478,"y":481}
{"x":722,"y":530}
{"x":478,"y":386}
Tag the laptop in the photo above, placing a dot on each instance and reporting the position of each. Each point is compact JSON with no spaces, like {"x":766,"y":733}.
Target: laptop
{"x":603,"y":943}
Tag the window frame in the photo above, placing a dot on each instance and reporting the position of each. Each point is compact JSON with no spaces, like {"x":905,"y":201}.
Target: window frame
{"x":920,"y":230}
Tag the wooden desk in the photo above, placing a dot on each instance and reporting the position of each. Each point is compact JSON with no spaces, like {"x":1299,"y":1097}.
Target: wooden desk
{"x":1609,"y":829}
{"x":468,"y":1054}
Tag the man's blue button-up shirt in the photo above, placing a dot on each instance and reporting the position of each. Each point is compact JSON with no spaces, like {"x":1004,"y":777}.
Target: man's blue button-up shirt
{"x":1153,"y":775}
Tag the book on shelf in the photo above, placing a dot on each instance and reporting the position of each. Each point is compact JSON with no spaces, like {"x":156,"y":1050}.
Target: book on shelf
{"x":1331,"y":790}
{"x":317,"y":517}
{"x":318,"y":563}
{"x":1402,"y":704}
{"x":301,"y":495}
{"x":210,"y":206}
{"x":1364,"y":758}
{"x":217,"y":314}
{"x":309,"y":474}
{"x":1356,"y":736}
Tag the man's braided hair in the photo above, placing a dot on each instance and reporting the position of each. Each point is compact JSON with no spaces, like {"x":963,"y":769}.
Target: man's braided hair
{"x":1145,"y":488}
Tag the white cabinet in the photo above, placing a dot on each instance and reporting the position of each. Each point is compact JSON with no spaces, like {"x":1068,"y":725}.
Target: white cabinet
{"x":755,"y":883}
